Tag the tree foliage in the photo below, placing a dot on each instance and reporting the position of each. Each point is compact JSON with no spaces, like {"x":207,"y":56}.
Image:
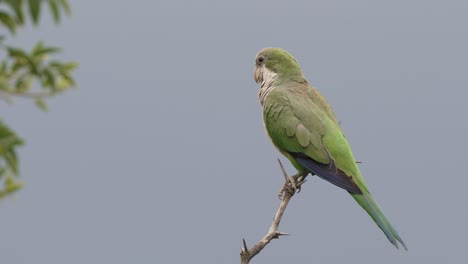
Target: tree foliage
{"x":29,"y":74}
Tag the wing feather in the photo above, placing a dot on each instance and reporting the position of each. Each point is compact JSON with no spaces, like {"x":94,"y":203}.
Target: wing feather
{"x":301,"y":123}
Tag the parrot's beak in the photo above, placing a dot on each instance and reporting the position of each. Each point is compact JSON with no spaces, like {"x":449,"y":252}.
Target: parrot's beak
{"x":258,"y":74}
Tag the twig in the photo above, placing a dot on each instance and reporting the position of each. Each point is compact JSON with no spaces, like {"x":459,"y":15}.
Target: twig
{"x":8,"y":95}
{"x":33,"y":95}
{"x":247,"y":254}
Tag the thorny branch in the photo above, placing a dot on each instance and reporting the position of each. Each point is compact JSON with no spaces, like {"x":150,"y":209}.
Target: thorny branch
{"x":246,"y":253}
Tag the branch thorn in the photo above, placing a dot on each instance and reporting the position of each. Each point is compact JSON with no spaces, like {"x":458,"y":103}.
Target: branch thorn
{"x":284,"y":170}
{"x":245,"y":249}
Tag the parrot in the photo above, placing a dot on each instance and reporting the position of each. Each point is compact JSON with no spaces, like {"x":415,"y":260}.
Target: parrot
{"x":303,"y":127}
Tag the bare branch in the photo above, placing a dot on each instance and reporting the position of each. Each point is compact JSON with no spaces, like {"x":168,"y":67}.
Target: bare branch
{"x":247,"y":254}
{"x":33,"y":95}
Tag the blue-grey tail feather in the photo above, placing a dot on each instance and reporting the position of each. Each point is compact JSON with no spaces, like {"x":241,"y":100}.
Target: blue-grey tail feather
{"x":366,"y":201}
{"x":328,"y":172}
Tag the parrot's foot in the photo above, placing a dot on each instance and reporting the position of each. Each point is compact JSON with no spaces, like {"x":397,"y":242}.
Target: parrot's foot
{"x":292,"y":185}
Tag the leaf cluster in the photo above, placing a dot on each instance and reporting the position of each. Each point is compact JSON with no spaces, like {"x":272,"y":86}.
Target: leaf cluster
{"x":22,"y":70}
{"x":8,"y":161}
{"x":28,"y":74}
{"x":12,"y":12}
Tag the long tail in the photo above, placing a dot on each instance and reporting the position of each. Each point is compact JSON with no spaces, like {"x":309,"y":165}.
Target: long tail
{"x":366,"y":201}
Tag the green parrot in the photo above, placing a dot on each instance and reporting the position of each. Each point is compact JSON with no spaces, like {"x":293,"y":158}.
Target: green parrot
{"x":304,"y":128}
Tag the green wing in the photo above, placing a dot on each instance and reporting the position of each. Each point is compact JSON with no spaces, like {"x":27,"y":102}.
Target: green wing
{"x":303,"y":127}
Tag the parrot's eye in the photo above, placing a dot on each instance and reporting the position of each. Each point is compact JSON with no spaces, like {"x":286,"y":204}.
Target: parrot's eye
{"x":260,"y":60}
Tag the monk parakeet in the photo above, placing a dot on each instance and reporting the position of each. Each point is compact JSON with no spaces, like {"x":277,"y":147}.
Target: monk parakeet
{"x":304,"y":128}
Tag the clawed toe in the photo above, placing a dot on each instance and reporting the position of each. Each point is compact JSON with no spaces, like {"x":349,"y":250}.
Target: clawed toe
{"x":292,"y":185}
{"x":299,"y":181}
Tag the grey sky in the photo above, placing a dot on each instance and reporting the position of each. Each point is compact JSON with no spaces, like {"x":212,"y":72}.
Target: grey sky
{"x":161,"y":156}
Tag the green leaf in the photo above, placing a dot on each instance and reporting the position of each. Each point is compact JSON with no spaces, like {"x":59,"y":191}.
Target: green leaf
{"x":35,"y":10}
{"x":8,"y":139}
{"x":49,"y":78}
{"x":39,"y":45}
{"x":8,"y":143}
{"x":16,"y":52}
{"x":66,"y":6}
{"x":69,"y":66}
{"x":10,"y":185}
{"x":17,"y":7}
{"x":8,"y":21}
{"x":3,"y":66}
{"x":40,"y":49}
{"x":41,"y":104}
{"x":4,"y":84}
{"x":46,"y":50}
{"x":23,"y":59}
{"x":23,"y":83}
{"x":12,"y":161}
{"x":54,"y":9}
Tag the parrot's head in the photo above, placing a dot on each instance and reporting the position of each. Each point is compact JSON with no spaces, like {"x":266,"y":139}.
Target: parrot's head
{"x":275,"y":63}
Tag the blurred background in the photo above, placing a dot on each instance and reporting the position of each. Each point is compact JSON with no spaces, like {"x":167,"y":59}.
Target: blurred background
{"x":160,"y":155}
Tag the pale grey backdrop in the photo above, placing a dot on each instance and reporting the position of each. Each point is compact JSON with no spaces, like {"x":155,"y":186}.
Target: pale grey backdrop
{"x":161,"y":157}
